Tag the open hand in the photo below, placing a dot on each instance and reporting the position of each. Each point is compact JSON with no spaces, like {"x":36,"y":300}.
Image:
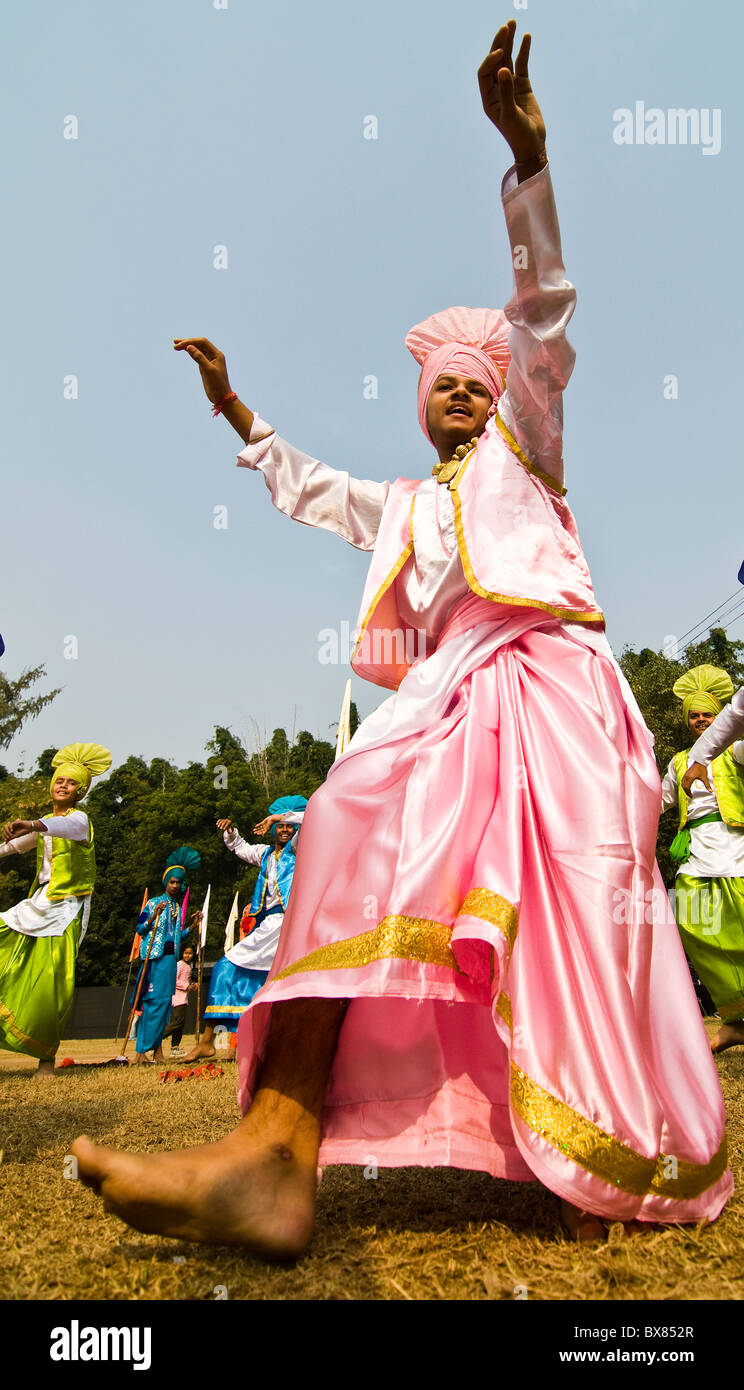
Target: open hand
{"x":265,"y":825}
{"x":211,"y":363}
{"x":508,"y":99}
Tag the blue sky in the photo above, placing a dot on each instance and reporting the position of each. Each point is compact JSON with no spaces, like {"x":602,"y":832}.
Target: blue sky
{"x":243,"y":127}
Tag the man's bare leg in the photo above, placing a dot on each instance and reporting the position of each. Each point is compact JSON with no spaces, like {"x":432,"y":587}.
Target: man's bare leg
{"x":256,"y":1187}
{"x":728,"y":1035}
{"x":45,"y":1068}
{"x":205,"y":1048}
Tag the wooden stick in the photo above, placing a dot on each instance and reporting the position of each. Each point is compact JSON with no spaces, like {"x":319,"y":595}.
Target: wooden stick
{"x":140,"y":983}
{"x":198,"y":985}
{"x":123,"y":1002}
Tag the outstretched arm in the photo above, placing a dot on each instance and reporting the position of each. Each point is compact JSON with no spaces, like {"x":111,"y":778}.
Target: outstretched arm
{"x":543,"y":300}
{"x":250,"y":854}
{"x":213,"y":370}
{"x":301,"y":487}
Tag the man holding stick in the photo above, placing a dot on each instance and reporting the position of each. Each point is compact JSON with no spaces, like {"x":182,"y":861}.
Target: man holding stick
{"x":162,"y":936}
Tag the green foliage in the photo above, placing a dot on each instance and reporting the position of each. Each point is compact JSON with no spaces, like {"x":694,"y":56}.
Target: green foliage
{"x":17,"y":704}
{"x":142,"y":811}
{"x":651,"y":676}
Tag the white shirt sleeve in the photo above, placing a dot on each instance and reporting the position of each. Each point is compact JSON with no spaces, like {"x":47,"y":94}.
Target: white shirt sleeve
{"x":313,"y":493}
{"x":76,"y":826}
{"x":541,"y":305}
{"x":20,"y":845}
{"x":669,"y":789}
{"x":250,"y":854}
{"x":726,"y":727}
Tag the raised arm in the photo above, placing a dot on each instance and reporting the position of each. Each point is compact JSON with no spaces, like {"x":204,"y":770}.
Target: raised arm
{"x":543,"y":300}
{"x":250,"y":854}
{"x":301,"y":487}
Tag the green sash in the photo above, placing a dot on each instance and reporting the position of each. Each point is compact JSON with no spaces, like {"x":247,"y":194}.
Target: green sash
{"x":679,"y":849}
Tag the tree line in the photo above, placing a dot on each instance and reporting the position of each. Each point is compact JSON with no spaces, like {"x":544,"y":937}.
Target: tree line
{"x":142,"y":810}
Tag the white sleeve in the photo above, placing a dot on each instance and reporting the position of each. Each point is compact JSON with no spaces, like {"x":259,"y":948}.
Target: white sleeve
{"x":669,"y":789}
{"x":313,"y":493}
{"x":293,"y":817}
{"x":541,"y":305}
{"x":20,"y":845}
{"x":725,"y":729}
{"x":250,"y":854}
{"x":76,"y":826}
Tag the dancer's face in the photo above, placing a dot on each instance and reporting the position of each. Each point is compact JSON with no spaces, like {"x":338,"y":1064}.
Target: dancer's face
{"x":173,"y":887}
{"x":699,"y":720}
{"x":283,"y":834}
{"x":456,"y":412}
{"x":188,"y":955}
{"x":64,"y":792}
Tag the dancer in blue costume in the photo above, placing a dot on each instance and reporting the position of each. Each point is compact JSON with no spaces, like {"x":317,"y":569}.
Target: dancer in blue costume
{"x":163,"y":916}
{"x":241,"y":972}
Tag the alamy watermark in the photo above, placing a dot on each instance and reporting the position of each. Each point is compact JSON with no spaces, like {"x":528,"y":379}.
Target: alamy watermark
{"x":384,"y":646}
{"x":693,"y":907}
{"x":642,"y":125}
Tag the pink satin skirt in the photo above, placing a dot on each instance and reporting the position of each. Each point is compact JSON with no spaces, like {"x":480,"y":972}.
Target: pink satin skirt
{"x":481,"y":885}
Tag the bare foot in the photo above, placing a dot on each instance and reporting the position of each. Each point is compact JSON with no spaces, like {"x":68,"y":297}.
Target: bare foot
{"x":45,"y":1068}
{"x":728,"y":1035}
{"x":197,"y":1053}
{"x":158,"y":1055}
{"x":142,"y":1060}
{"x":582,"y":1226}
{"x":242,"y":1190}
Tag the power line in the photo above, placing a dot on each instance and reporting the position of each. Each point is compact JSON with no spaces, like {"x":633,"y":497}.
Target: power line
{"x":733,"y":616}
{"x":736,"y":594}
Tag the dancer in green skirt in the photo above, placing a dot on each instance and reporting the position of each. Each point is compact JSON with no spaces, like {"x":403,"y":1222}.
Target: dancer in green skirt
{"x":40,"y":937}
{"x":709,"y":849}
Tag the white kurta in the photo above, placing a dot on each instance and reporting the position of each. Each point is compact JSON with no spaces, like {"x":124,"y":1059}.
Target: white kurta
{"x":37,"y":916}
{"x":257,"y":951}
{"x":716,"y":849}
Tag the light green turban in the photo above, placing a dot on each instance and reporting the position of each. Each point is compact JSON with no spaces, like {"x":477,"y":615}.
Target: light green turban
{"x":81,"y":762}
{"x":703,"y":688}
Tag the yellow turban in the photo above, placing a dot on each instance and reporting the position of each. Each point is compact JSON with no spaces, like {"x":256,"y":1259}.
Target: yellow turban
{"x":704,"y":688}
{"x":81,"y":762}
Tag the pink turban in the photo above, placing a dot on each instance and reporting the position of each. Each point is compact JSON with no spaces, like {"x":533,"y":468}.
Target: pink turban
{"x":472,"y":341}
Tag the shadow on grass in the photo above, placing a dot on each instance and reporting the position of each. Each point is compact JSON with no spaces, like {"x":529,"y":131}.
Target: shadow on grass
{"x":434,"y":1201}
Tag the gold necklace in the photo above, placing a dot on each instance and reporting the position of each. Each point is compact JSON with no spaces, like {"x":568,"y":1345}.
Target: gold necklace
{"x":445,"y":472}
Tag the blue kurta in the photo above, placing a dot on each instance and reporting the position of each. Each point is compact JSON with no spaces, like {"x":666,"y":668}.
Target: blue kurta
{"x":160,"y":983}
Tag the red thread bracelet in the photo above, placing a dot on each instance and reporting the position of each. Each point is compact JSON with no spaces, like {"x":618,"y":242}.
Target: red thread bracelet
{"x":216,"y":409}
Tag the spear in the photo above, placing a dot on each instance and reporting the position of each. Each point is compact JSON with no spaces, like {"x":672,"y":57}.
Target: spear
{"x":143,"y":973}
{"x":132,"y":958}
{"x":200,"y":960}
{"x":230,"y":927}
{"x":344,"y":724}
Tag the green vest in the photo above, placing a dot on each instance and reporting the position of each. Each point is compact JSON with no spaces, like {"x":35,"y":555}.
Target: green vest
{"x":73,"y":867}
{"x":728,"y":784}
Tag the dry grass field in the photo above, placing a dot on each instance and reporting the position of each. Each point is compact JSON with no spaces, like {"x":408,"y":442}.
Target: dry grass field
{"x":410,"y":1234}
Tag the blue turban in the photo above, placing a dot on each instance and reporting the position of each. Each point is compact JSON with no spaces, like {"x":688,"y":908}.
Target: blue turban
{"x":180,"y":863}
{"x":283,"y":804}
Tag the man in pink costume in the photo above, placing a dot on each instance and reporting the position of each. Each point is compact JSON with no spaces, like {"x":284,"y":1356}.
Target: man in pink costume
{"x":488,"y":976}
